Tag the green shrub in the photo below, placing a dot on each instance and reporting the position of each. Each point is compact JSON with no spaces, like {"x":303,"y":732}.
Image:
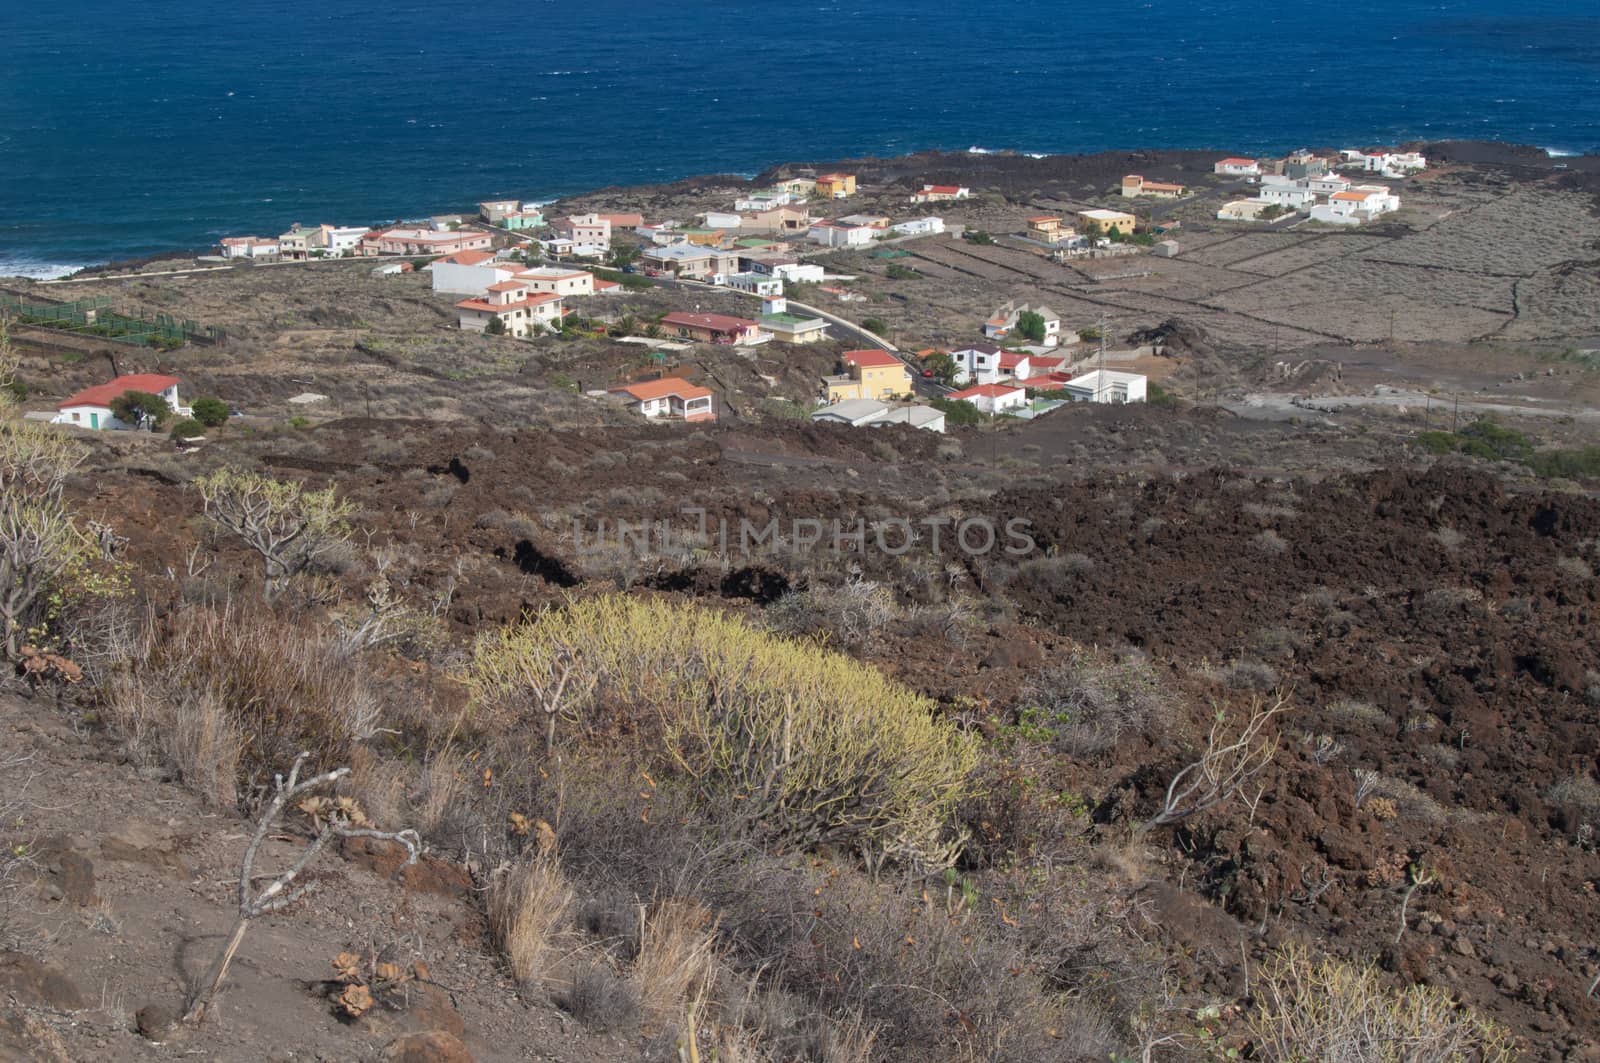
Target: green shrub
{"x":213,"y":413}
{"x":875,"y":325}
{"x":812,"y":747}
{"x":188,"y":428}
{"x":1568,"y":464}
{"x":1436,"y":442}
{"x":1156,"y":395}
{"x":958,"y":411}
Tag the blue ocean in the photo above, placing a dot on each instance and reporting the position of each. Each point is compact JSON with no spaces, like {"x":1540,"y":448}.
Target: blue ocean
{"x":129,"y":127}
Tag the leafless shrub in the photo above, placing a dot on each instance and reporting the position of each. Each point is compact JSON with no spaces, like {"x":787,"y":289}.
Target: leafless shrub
{"x":528,"y":904}
{"x":1575,"y":567}
{"x":290,"y":527}
{"x":17,"y":775}
{"x":1232,"y":757}
{"x":1264,"y":512}
{"x":1357,"y":710}
{"x":1579,"y":790}
{"x":1366,"y":782}
{"x":677,"y":959}
{"x":1090,"y":702}
{"x":1447,"y":537}
{"x":1244,"y":674}
{"x":1412,"y":801}
{"x":1269,"y":542}
{"x":849,"y":615}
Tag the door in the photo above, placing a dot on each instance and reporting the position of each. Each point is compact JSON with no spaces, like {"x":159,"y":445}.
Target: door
{"x":94,"y":419}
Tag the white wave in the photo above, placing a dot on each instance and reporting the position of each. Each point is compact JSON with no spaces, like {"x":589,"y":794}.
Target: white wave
{"x":1558,"y":153}
{"x":39,"y":271}
{"x":975,"y":150}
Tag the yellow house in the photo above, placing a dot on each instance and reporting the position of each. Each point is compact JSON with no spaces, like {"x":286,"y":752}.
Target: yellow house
{"x":1045,"y":228}
{"x":870,"y":375}
{"x":836,"y":185}
{"x":1107,"y":220}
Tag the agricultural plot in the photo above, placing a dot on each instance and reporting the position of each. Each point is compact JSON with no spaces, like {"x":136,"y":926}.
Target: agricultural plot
{"x":1245,"y":246}
{"x":1558,"y":304}
{"x":1308,"y":252}
{"x":1517,"y":235}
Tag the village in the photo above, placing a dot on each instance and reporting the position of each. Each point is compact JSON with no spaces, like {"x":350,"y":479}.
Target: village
{"x":510,"y":271}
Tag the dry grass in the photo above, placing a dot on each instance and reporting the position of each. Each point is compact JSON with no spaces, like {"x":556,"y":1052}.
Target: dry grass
{"x":225,"y":696}
{"x":677,"y":961}
{"x":528,"y":905}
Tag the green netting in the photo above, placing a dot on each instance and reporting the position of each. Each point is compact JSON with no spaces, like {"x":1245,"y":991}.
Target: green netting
{"x":94,"y":317}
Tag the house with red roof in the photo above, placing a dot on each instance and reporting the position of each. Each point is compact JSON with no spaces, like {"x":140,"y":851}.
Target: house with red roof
{"x":868,"y":375}
{"x":670,"y":397}
{"x":91,"y":407}
{"x":519,"y":309}
{"x":714,"y":328}
{"x":1234,"y":166}
{"x":940,"y":193}
{"x":992,"y":398}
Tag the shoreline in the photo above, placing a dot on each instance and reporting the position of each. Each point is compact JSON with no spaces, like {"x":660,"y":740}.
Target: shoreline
{"x":975,"y":159}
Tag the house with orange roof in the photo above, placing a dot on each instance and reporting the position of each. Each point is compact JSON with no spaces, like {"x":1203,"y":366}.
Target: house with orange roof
{"x":836,"y":185}
{"x":714,"y":328}
{"x":1235,"y":166}
{"x":869,"y":374}
{"x":1135,"y":186}
{"x":1356,"y":206}
{"x":1047,"y":229}
{"x":91,"y":407}
{"x":940,"y":193}
{"x":669,"y":397}
{"x":519,"y":309}
{"x":992,"y":398}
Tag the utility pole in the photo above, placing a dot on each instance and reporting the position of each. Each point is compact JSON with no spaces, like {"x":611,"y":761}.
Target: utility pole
{"x":1455,"y":415}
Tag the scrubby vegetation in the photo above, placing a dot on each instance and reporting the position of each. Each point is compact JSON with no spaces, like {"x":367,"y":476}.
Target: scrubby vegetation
{"x":814,"y":747}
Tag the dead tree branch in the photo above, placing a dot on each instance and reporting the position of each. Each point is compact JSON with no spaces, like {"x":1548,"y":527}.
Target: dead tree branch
{"x":282,"y":891}
{"x":1228,"y":762}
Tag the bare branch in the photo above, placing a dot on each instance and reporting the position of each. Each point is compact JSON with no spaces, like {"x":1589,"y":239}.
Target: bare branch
{"x":1228,"y":762}
{"x":281,"y":891}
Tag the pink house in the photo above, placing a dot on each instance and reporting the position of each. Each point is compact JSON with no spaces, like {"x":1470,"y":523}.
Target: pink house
{"x":585,"y":231}
{"x":423,"y":242}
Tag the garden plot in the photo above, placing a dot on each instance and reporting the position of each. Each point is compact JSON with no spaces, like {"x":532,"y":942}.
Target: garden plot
{"x":1310,"y":252}
{"x":1364,"y":279}
{"x":1558,"y":303}
{"x":1517,"y":235}
{"x":1246,"y":246}
{"x":1188,"y":280}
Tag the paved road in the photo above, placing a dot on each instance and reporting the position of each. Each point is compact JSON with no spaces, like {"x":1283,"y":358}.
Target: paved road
{"x":375,"y":260}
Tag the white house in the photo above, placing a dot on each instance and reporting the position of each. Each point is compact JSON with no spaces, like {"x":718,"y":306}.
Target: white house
{"x":799,"y":273}
{"x":842,"y":234}
{"x":919,"y":227}
{"x":757,"y":283}
{"x":939,"y":193}
{"x":250,"y":247}
{"x":343,"y":240}
{"x":1282,"y":192}
{"x":557,"y":281}
{"x":468,"y":272}
{"x":978,"y":364}
{"x":1107,"y":386}
{"x":764,"y":200}
{"x":670,"y":397}
{"x":917,"y":416}
{"x":515,"y":305}
{"x":1406,"y":162}
{"x":853,"y":412}
{"x":720,"y":219}
{"x":871,"y":413}
{"x":992,"y":398}
{"x":1360,"y":204}
{"x":91,"y":407}
{"x":1234,"y":166}
{"x":1328,"y":184}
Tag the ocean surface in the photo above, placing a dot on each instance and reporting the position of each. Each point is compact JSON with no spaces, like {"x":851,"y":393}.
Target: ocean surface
{"x":130,"y":127}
